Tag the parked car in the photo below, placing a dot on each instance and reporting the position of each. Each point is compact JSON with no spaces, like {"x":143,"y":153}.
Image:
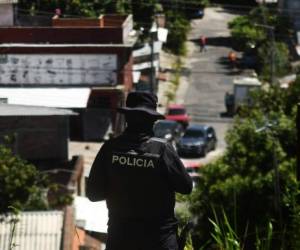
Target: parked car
{"x":197,"y":140}
{"x":178,"y":113}
{"x":169,"y":130}
{"x":193,"y":170}
{"x":196,"y":13}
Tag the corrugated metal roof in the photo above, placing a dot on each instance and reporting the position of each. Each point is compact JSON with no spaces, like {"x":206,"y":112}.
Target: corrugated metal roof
{"x":48,"y":97}
{"x":22,"y":110}
{"x":34,"y":231}
{"x":8,"y":1}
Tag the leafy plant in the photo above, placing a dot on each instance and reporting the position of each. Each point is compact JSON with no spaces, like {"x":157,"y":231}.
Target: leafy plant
{"x":273,"y":55}
{"x":225,"y":237}
{"x":178,"y":27}
{"x":24,"y":187}
{"x":21,"y":184}
{"x":223,"y":234}
{"x":243,"y":180}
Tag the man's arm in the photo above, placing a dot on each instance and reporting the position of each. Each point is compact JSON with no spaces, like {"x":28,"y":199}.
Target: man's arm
{"x":177,"y":174}
{"x":96,"y":188}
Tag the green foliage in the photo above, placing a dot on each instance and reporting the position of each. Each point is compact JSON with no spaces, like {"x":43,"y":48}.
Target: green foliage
{"x":223,"y":234}
{"x":243,"y":180}
{"x":88,"y":8}
{"x":225,"y":237}
{"x":143,"y":14}
{"x":248,"y":31}
{"x":280,"y":58}
{"x":178,"y":27}
{"x":245,"y":33}
{"x":184,"y":216}
{"x":263,"y":32}
{"x":21,"y":185}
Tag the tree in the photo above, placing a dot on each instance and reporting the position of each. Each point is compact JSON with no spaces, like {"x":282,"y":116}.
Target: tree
{"x":88,"y":8}
{"x":280,"y":59}
{"x":243,"y":181}
{"x":235,"y":2}
{"x":178,"y":28}
{"x":248,"y":31}
{"x":23,"y":187}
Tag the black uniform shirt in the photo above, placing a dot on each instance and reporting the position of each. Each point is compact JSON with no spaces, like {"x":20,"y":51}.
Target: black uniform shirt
{"x":138,"y":176}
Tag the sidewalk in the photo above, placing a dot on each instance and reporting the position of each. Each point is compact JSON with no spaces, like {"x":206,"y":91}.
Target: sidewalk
{"x":167,"y":62}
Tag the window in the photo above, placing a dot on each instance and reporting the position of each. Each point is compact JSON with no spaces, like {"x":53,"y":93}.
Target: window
{"x":3,"y":100}
{"x":176,"y":112}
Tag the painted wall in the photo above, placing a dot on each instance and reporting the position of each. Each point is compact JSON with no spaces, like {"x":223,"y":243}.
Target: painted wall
{"x":6,"y":15}
{"x":62,"y":69}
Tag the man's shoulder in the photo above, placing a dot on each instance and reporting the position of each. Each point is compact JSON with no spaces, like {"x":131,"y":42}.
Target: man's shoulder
{"x":114,"y":140}
{"x":158,"y":141}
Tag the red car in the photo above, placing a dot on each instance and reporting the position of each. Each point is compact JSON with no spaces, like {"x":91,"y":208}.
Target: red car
{"x":193,"y":170}
{"x":177,"y":112}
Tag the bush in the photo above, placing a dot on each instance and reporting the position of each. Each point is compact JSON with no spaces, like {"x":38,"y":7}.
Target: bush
{"x":21,"y":185}
{"x":178,"y":28}
{"x":280,"y":60}
{"x":245,"y":183}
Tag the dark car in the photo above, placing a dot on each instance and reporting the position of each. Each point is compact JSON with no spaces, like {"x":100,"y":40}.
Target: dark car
{"x":197,"y":13}
{"x":197,"y":140}
{"x":169,"y":130}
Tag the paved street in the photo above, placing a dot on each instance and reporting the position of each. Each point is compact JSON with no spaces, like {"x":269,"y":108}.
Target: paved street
{"x":209,"y":75}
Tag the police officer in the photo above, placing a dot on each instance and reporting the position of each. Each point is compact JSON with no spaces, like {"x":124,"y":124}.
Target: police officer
{"x":138,"y":176}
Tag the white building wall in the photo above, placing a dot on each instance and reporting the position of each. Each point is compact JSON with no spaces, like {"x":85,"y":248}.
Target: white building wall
{"x":62,"y":69}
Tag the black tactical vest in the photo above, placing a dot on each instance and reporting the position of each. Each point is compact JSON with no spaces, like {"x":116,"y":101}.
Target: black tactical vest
{"x":137,"y":181}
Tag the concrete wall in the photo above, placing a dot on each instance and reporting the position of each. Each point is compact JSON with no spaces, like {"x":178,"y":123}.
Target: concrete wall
{"x":37,"y":138}
{"x":76,"y":22}
{"x":6,"y":15}
{"x":62,"y":35}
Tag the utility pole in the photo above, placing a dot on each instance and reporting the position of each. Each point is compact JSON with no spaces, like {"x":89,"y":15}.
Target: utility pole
{"x":268,"y":127}
{"x":298,"y":141}
{"x":272,"y":65}
{"x":153,"y":37}
{"x":152,"y":74}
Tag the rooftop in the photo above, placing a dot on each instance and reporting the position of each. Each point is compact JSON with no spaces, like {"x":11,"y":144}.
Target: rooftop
{"x":107,"y":29}
{"x":23,"y":110}
{"x":8,"y":1}
{"x":47,"y":97}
